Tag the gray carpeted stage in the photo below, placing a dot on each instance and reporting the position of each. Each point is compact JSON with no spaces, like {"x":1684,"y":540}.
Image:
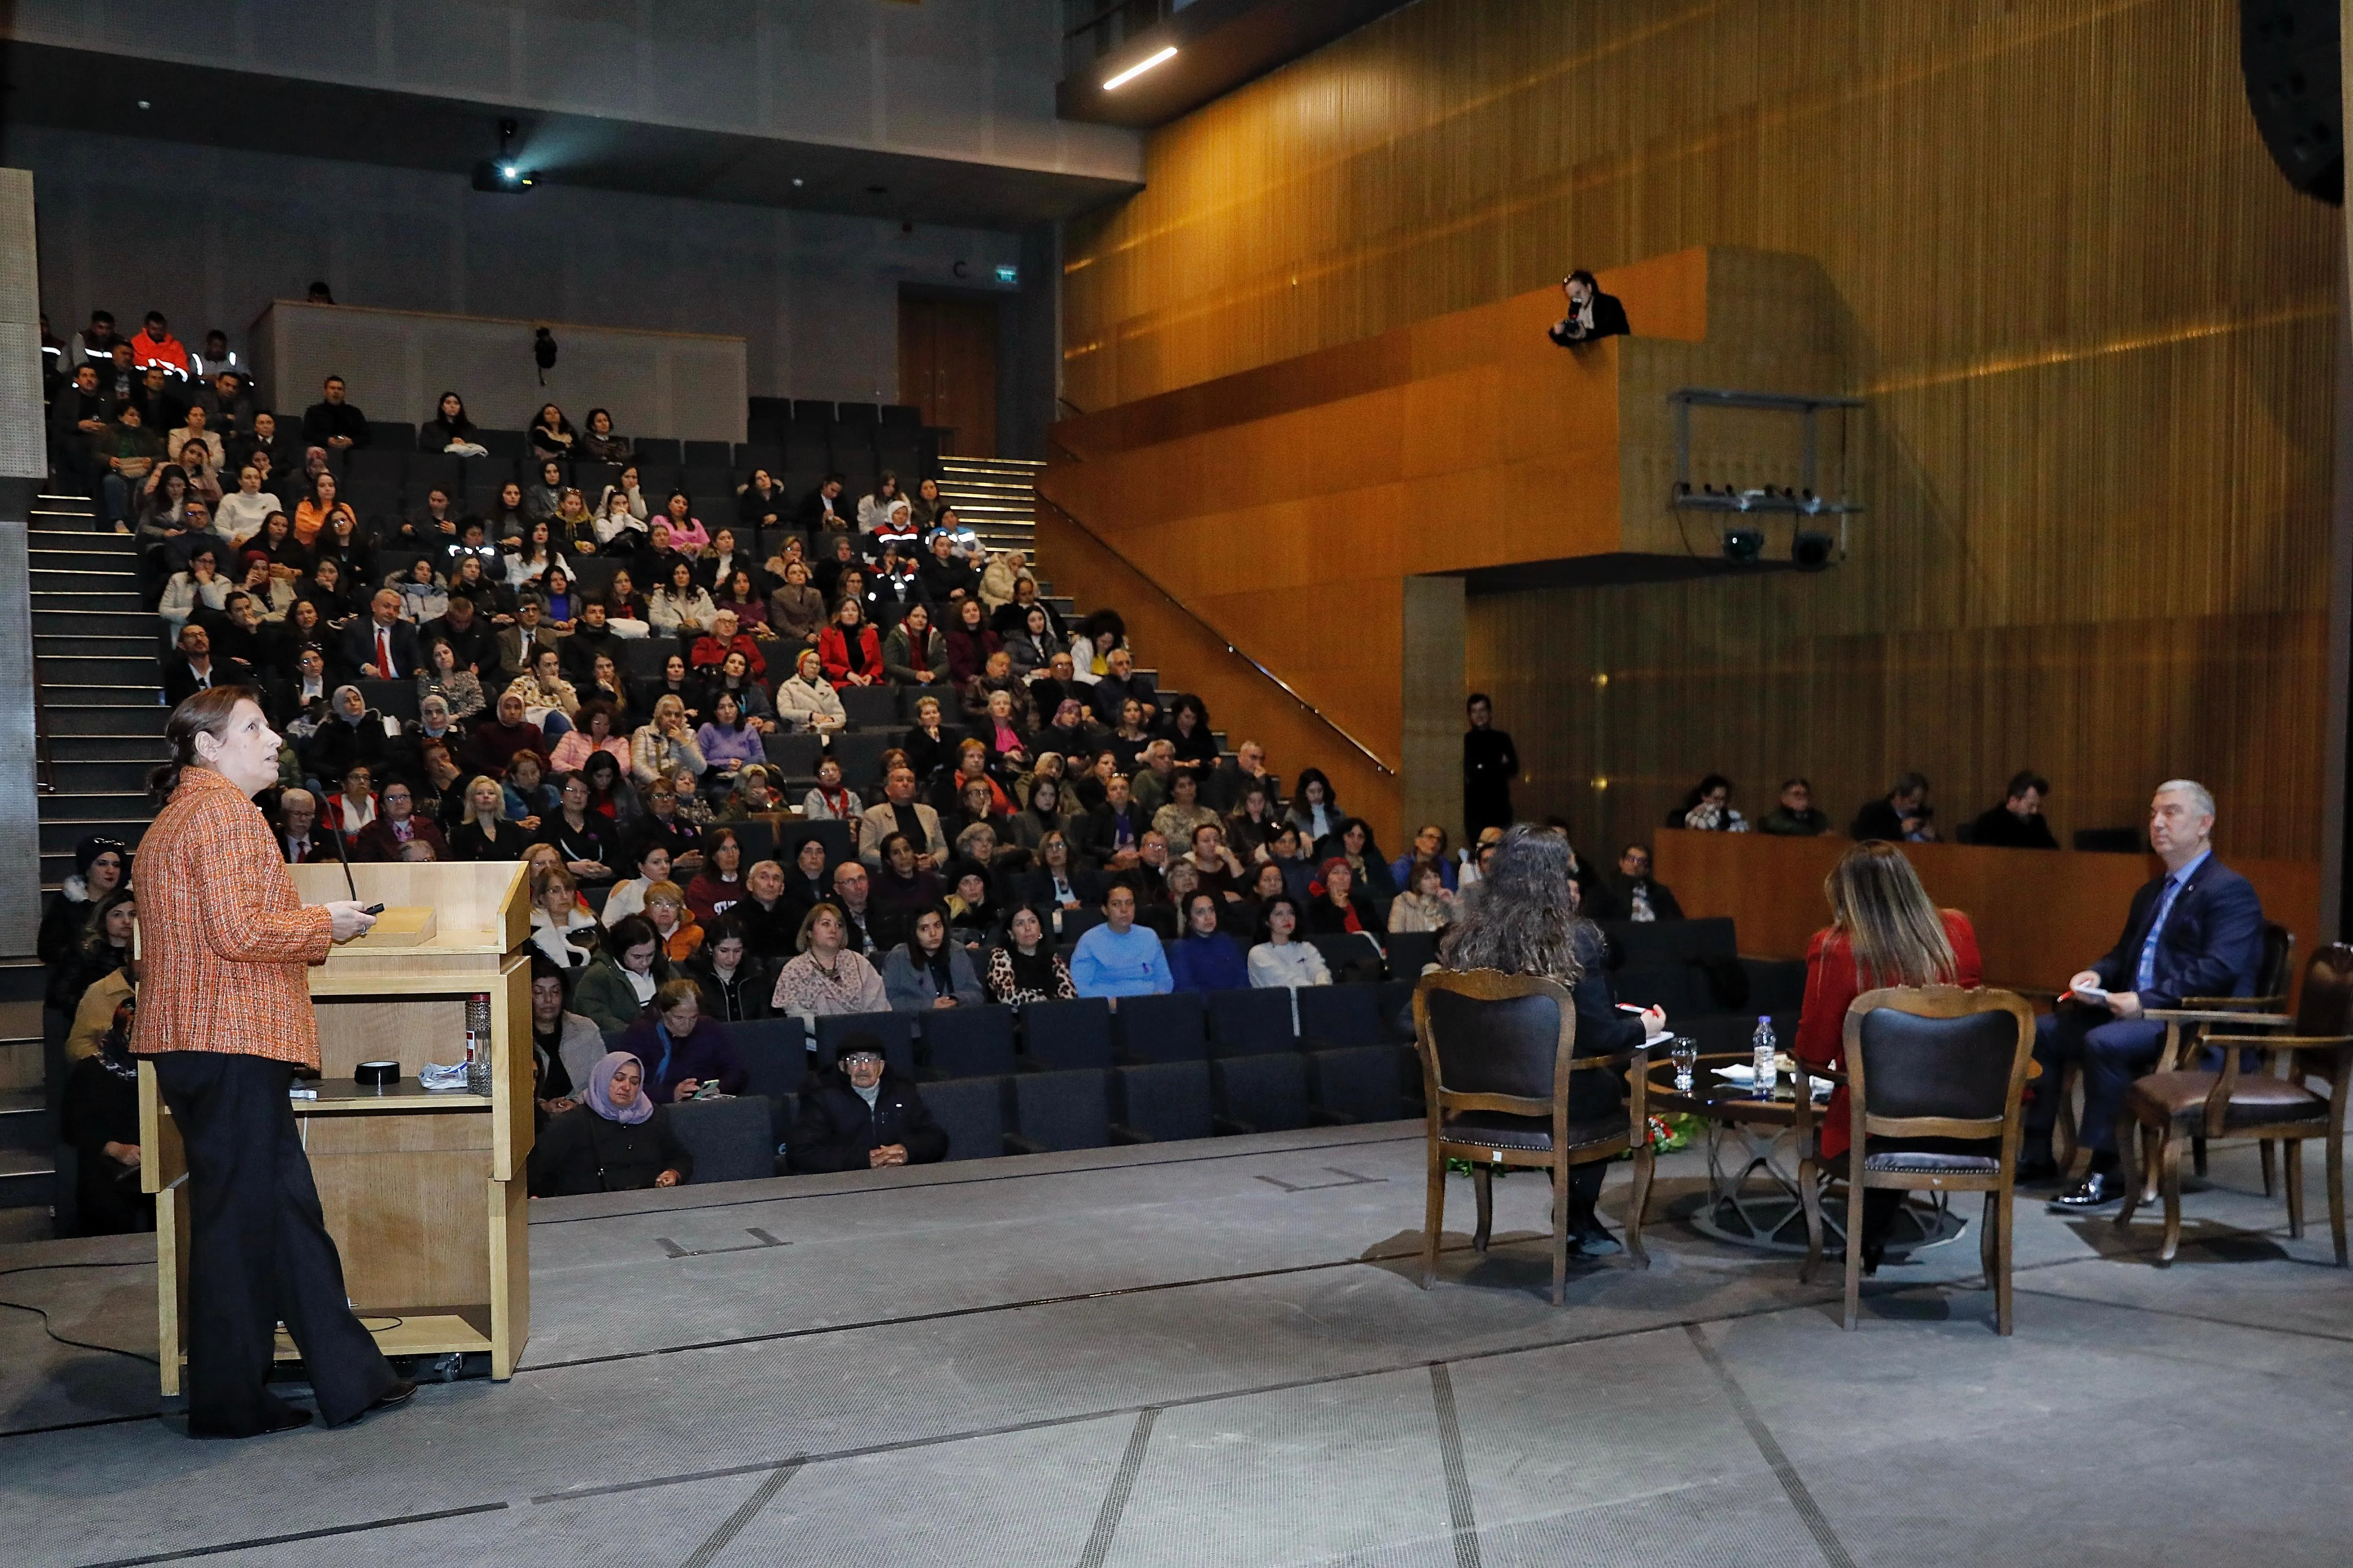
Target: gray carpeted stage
{"x":1215,"y":1353}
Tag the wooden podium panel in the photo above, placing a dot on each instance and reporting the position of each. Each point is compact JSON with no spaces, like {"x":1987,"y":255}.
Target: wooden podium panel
{"x":424,"y":1190}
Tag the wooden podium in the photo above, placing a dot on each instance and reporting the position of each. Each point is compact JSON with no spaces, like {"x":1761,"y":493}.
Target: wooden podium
{"x":425,"y":1192}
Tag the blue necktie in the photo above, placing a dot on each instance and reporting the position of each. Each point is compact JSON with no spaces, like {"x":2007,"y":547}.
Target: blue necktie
{"x":2146,"y":976}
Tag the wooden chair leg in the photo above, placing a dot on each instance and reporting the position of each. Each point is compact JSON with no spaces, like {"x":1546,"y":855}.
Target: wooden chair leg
{"x":1810,"y":1193}
{"x":2171,"y":1161}
{"x":2336,"y":1163}
{"x":2006,"y":1231}
{"x":2270,"y":1174}
{"x":1434,"y":1218}
{"x":1560,"y":1232}
{"x":1986,"y":1240}
{"x":1639,"y":1203}
{"x":2294,"y":1173}
{"x":2138,"y":1164}
{"x":1482,"y":1182}
{"x":1853,"y":1257}
{"x":2063,"y":1130}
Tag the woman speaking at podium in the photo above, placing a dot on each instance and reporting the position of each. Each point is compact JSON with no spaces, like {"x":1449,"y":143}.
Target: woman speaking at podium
{"x":225,"y":1017}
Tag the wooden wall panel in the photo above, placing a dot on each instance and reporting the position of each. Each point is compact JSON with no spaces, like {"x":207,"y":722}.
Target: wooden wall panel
{"x":2095,"y":326}
{"x":2040,"y":917}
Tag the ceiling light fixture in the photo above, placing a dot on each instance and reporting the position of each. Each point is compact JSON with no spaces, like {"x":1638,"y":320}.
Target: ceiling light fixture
{"x":1138,"y":69}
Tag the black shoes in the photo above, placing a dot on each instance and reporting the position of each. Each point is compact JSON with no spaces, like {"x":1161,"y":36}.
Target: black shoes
{"x":2030,"y":1170}
{"x":392,"y":1398}
{"x":2097,"y":1191}
{"x":288,"y":1420}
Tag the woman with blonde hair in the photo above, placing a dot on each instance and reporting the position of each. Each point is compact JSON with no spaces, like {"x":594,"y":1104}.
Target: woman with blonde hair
{"x":1883,"y":930}
{"x":664,"y":744}
{"x":666,"y":911}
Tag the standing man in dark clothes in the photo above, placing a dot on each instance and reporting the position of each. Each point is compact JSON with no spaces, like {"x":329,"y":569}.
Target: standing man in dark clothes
{"x":2017,"y":823}
{"x":864,"y":1118}
{"x":1490,"y":762}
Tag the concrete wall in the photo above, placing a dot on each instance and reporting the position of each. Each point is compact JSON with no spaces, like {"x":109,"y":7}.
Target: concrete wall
{"x":965,"y":80}
{"x":23,"y":459}
{"x":210,"y":236}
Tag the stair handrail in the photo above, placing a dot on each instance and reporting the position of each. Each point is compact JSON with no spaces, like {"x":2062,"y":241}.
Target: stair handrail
{"x":45,"y":762}
{"x":1209,"y":625}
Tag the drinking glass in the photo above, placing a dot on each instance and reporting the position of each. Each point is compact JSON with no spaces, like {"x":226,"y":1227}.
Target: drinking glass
{"x":1684,"y":1054}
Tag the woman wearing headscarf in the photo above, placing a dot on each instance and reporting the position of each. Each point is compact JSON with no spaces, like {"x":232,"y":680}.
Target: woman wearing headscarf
{"x":617,"y":1139}
{"x":1525,"y":921}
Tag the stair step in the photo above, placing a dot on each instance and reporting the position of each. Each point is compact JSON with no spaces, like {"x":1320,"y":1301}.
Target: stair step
{"x":67,"y":818}
{"x":27,"y":1179}
{"x":99,"y":776}
{"x":107,"y":600}
{"x":24,"y":1121}
{"x":67,"y":694}
{"x":82,"y":541}
{"x":67,"y":720}
{"x":106,"y":746}
{"x":94,"y":642}
{"x":128,"y":621}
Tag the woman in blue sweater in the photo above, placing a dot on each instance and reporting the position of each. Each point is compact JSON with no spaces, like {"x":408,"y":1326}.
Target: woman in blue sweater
{"x":1204,"y":958}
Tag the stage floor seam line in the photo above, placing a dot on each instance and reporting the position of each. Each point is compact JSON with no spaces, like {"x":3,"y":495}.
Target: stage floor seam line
{"x":1461,"y":1513}
{"x":322,"y":1532}
{"x":945,"y":1180}
{"x":1793,"y":1485}
{"x":1123,"y":1487}
{"x":762,"y":1496}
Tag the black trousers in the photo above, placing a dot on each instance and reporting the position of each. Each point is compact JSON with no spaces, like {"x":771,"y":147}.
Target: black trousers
{"x":258,"y":1251}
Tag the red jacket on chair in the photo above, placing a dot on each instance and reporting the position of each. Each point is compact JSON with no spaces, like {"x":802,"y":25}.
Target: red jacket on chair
{"x":833,"y":652}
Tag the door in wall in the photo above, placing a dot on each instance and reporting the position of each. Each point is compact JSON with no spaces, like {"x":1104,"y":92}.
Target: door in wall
{"x":947,"y":367}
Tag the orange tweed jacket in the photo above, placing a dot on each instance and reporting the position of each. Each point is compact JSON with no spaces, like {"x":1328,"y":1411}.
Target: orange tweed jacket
{"x":224,"y":944}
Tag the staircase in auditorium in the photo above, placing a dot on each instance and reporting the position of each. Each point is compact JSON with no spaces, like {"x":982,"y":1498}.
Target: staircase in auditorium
{"x":100,"y":728}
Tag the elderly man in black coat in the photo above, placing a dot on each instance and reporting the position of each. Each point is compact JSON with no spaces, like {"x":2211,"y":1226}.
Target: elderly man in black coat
{"x":862,"y":1117}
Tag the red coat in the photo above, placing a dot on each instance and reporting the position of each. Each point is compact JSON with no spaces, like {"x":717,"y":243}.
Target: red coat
{"x":833,"y":652}
{"x":1831,"y":986}
{"x":710,"y":653}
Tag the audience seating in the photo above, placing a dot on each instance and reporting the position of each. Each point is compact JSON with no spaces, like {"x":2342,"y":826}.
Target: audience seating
{"x":1336,"y":1016}
{"x":872,"y":707}
{"x":1057,"y":1035}
{"x":1160,"y":1102}
{"x":731,"y":1140}
{"x":775,"y":1059}
{"x":1261,"y":1093}
{"x":860,"y":755}
{"x":1061,"y":1110}
{"x":969,"y":1042}
{"x":796,"y":752}
{"x":1410,"y":953}
{"x":1358,"y":1083}
{"x":971,"y":1111}
{"x":392,"y":699}
{"x":1171,"y":1028}
{"x":1249,"y":1023}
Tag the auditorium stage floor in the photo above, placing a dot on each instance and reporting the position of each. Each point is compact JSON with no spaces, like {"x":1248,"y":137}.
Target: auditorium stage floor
{"x":1179,"y":1355}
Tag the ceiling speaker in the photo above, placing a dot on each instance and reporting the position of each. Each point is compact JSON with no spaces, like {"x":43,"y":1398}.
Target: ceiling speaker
{"x":2288,"y":50}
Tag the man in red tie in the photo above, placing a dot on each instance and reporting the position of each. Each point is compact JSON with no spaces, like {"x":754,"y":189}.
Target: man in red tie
{"x":383,"y":646}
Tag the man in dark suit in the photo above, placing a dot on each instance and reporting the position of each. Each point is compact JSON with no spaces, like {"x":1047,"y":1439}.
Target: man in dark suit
{"x":368,"y":644}
{"x":471,"y":636}
{"x":191,"y":668}
{"x":1591,"y":314}
{"x":299,"y":837}
{"x":2018,"y":822}
{"x":332,"y":423}
{"x":1633,"y":895}
{"x":1902,"y":816}
{"x":523,"y":640}
{"x":2198,"y":931}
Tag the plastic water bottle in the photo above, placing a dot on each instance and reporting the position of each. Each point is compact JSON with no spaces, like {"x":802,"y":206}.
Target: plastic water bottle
{"x":1766,"y":1074}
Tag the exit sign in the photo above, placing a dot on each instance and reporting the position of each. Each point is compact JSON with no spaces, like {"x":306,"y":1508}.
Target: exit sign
{"x":1008,"y":273}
